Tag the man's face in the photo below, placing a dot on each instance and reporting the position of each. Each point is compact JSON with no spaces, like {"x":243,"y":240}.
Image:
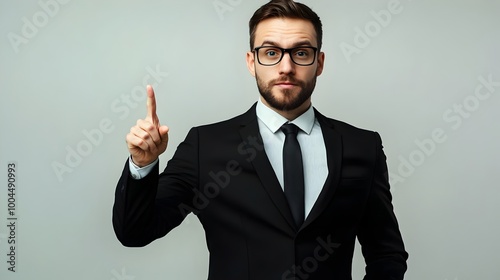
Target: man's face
{"x":286,"y":86}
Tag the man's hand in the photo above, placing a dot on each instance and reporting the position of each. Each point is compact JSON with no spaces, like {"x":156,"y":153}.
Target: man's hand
{"x":147,"y":139}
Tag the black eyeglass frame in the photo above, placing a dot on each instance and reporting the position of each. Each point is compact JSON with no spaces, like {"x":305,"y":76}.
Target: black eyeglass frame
{"x":289,"y":51}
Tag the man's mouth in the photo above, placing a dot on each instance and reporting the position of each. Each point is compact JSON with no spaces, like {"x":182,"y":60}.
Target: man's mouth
{"x":285,"y":85}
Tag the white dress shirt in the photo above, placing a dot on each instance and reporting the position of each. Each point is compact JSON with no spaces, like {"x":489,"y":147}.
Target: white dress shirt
{"x":312,"y":146}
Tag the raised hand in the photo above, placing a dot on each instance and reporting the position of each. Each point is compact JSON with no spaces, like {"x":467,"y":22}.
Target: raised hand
{"x":147,"y":139}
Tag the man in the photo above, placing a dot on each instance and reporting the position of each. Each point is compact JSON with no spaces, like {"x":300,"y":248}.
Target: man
{"x":266,"y":215}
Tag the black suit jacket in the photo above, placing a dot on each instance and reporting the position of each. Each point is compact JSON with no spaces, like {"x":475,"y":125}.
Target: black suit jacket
{"x":221,"y":173}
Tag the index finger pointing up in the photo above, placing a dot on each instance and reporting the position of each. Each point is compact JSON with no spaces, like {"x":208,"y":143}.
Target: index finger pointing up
{"x":151,"y":104}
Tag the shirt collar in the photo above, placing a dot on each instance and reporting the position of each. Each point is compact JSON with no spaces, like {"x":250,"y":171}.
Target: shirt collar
{"x":274,"y":121}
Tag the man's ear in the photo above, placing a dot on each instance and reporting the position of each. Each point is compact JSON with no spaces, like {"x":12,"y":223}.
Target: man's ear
{"x":251,"y":63}
{"x":321,"y":63}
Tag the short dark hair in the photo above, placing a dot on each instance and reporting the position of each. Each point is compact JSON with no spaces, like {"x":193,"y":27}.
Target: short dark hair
{"x":285,"y":9}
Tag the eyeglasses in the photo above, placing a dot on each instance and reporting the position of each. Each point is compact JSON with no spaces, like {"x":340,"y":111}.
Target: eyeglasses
{"x":271,"y":55}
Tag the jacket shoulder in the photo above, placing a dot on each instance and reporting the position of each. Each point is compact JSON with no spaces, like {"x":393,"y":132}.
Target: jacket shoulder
{"x":236,"y":121}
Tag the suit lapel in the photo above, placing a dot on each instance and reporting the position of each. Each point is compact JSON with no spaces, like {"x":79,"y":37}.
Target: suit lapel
{"x":259,"y":160}
{"x":333,"y":144}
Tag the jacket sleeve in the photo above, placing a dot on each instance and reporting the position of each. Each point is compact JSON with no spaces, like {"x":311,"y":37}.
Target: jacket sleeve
{"x":149,"y":208}
{"x":381,"y":241}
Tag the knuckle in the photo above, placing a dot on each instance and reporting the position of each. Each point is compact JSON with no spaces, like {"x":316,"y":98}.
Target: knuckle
{"x":140,"y":143}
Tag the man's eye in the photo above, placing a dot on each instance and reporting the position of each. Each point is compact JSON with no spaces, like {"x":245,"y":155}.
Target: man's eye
{"x":301,"y":53}
{"x":271,"y":53}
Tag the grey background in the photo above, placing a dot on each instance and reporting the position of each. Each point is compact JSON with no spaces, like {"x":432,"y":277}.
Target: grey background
{"x":85,"y":57}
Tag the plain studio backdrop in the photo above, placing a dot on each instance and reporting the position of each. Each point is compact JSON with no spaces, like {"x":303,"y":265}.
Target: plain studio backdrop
{"x":424,"y":74}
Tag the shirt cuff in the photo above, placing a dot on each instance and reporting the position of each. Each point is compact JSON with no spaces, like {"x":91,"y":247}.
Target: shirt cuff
{"x":140,"y":172}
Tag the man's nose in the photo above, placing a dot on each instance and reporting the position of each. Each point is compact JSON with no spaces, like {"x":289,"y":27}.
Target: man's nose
{"x":286,"y":64}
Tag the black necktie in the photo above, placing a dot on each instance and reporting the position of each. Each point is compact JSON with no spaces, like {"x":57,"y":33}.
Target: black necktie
{"x":293,"y":173}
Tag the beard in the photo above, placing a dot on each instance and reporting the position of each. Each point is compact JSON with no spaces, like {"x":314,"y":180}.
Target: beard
{"x":288,"y":100}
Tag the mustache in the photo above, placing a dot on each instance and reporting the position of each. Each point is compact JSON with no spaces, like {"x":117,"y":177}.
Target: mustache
{"x":286,"y":79}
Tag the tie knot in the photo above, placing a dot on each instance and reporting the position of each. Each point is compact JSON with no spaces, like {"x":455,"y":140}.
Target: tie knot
{"x":290,"y":128}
